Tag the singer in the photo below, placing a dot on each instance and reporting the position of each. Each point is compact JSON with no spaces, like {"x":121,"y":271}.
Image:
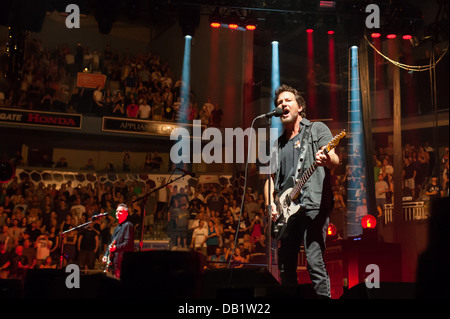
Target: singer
{"x":302,"y":143}
{"x":122,"y":241}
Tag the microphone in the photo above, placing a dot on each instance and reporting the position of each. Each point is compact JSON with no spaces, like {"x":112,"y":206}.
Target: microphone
{"x":186,"y":172}
{"x":100,"y":215}
{"x":277,"y":112}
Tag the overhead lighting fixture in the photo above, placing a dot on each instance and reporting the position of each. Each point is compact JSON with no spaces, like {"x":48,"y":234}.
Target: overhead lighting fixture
{"x":310,"y":22}
{"x":189,"y":19}
{"x":327,"y":5}
{"x":375,"y":35}
{"x":233,"y":20}
{"x":330,"y":22}
{"x":391,"y":36}
{"x":215,"y":19}
{"x":250,"y":22}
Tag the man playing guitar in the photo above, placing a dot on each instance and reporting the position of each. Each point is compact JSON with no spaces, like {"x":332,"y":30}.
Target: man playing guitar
{"x":302,"y":144}
{"x":122,"y":241}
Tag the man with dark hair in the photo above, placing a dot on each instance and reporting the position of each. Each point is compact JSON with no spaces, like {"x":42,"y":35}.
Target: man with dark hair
{"x":122,"y":241}
{"x":300,"y":145}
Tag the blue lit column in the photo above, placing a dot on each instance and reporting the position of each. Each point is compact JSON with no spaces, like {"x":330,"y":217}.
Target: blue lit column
{"x":356,"y":154}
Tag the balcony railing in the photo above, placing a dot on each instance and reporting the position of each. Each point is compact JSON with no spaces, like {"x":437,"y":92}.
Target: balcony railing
{"x":411,"y":211}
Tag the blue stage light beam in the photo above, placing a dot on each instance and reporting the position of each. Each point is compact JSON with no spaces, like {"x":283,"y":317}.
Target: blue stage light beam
{"x":275,"y":81}
{"x":356,"y":147}
{"x":184,"y":93}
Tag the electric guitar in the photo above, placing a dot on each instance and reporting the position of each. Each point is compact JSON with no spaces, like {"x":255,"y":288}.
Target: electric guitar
{"x":109,"y":258}
{"x":287,"y":202}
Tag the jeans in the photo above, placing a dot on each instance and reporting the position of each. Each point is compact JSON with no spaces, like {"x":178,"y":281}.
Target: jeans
{"x":309,"y":227}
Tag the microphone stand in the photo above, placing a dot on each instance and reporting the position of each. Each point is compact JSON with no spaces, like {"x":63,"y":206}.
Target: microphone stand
{"x":269,"y":212}
{"x":269,"y":261}
{"x":145,"y":197}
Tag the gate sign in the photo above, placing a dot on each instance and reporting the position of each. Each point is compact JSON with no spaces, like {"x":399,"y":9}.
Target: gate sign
{"x":38,"y":118}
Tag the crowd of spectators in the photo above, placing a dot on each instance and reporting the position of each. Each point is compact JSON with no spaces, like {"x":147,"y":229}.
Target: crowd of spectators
{"x":206,"y":218}
{"x":202,"y":218}
{"x":423,"y":179}
{"x":137,"y":86}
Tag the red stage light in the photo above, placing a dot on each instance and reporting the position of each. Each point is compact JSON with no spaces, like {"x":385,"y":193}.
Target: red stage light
{"x":391,"y":36}
{"x":215,"y":25}
{"x":332,"y":230}
{"x":407,"y":37}
{"x":369,"y":221}
{"x":375,"y":35}
{"x":309,"y":30}
{"x":233,"y":26}
{"x":250,"y":27}
{"x":327,"y":4}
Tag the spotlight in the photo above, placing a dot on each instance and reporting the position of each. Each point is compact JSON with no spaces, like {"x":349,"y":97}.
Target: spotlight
{"x":392,"y":28}
{"x":233,"y":20}
{"x":409,"y":28}
{"x":310,"y":23}
{"x":369,"y":221}
{"x":332,"y":233}
{"x":215,"y":19}
{"x":330,"y":22}
{"x":250,"y":22}
{"x":391,"y":36}
{"x":332,"y":230}
{"x":327,"y":5}
{"x":375,"y":35}
{"x":407,"y":37}
{"x":189,"y":19}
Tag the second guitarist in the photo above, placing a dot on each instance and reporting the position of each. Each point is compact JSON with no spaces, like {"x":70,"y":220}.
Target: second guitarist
{"x":298,"y":147}
{"x":122,"y":241}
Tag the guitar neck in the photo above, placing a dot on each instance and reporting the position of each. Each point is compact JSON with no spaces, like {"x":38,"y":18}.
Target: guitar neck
{"x":298,"y":187}
{"x":306,"y":175}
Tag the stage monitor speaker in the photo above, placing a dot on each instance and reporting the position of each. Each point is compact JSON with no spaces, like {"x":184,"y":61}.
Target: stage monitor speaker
{"x":51,"y":284}
{"x":162,"y":274}
{"x":251,"y":283}
{"x":387,"y":290}
{"x":10,"y":289}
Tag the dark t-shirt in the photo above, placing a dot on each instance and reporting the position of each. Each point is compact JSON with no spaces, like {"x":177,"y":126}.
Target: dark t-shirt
{"x":317,"y":192}
{"x":88,"y":240}
{"x":409,"y":170}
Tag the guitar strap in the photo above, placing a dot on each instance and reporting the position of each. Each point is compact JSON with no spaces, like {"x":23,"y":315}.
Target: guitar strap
{"x":303,"y":149}
{"x":301,"y":158}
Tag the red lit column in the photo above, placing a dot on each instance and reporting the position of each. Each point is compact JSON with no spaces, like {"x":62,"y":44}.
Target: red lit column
{"x":311,"y":77}
{"x":332,"y":77}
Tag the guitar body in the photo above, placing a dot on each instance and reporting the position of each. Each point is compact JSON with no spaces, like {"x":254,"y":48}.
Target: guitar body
{"x":109,"y":261}
{"x":285,"y":209}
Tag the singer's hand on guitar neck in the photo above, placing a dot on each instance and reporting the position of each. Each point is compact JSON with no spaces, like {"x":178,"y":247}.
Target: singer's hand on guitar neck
{"x":329,"y":159}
